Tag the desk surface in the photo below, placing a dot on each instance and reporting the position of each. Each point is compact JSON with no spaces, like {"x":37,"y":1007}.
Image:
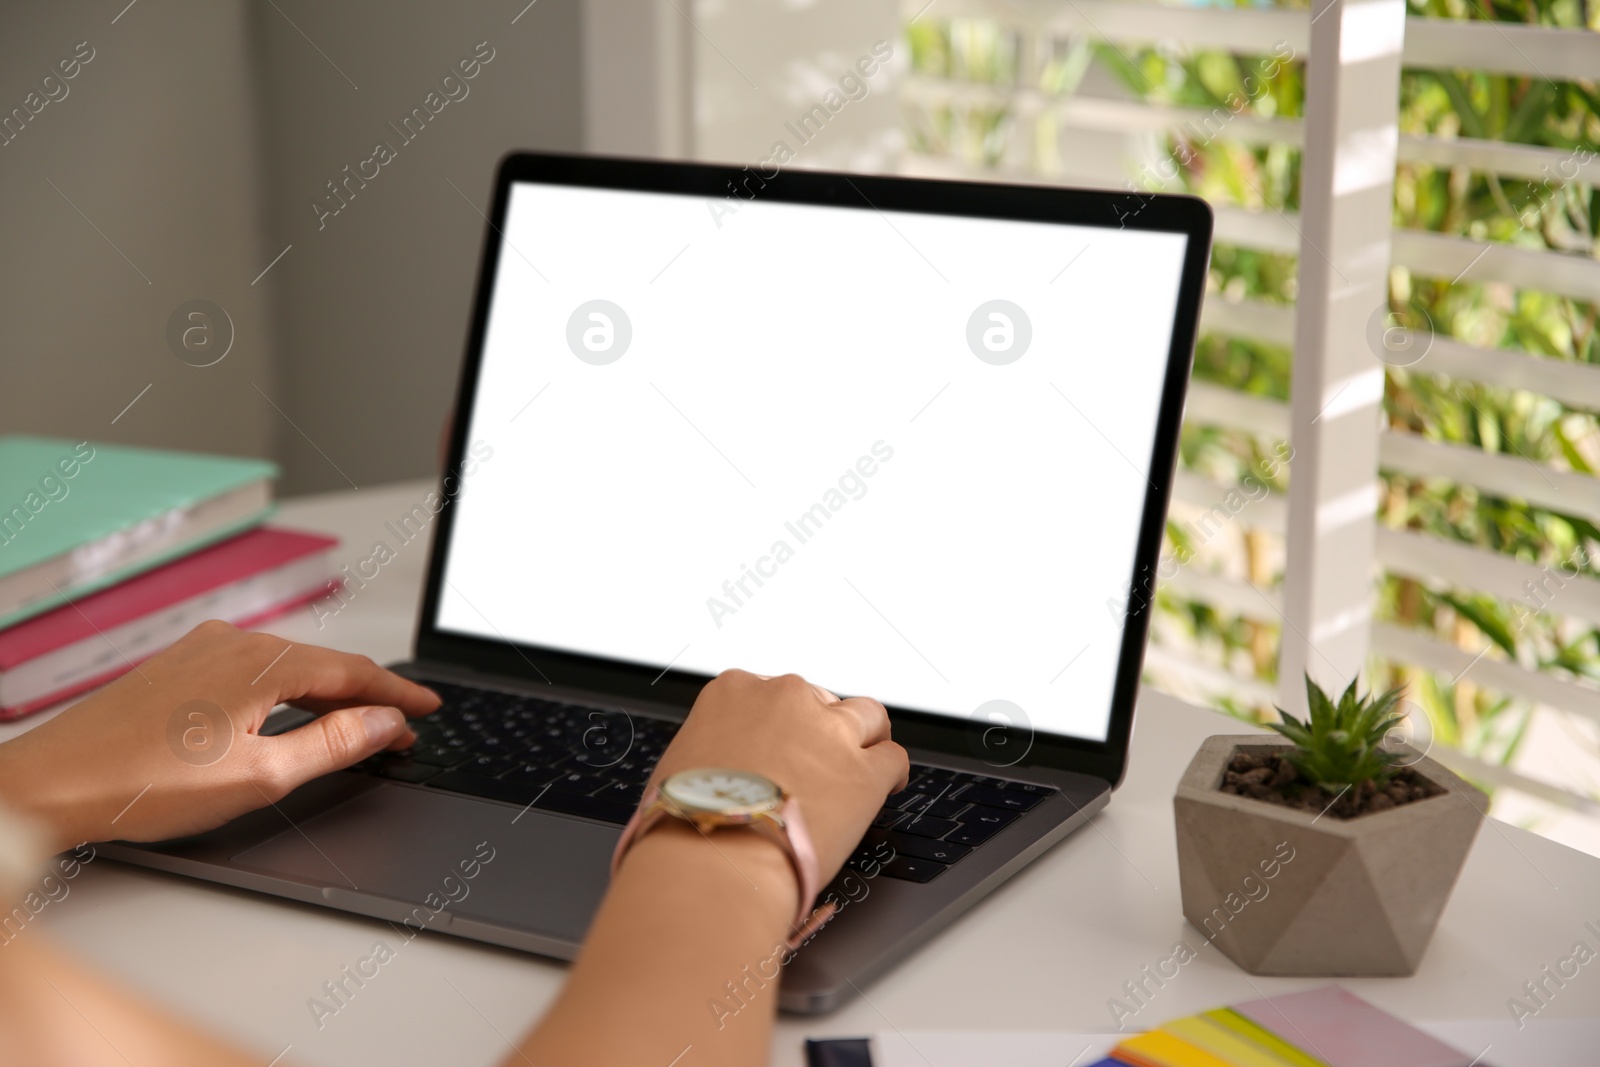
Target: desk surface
{"x":1047,"y":952}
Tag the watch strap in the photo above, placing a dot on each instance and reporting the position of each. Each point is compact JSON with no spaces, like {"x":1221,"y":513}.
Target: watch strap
{"x":794,"y":837}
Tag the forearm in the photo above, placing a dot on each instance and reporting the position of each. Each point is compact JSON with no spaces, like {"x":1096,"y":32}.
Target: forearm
{"x":683,"y":953}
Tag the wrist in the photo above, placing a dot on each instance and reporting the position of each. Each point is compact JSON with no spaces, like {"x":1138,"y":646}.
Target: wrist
{"x":738,"y":871}
{"x":29,"y":795}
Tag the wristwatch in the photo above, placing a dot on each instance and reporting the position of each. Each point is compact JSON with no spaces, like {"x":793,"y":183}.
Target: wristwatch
{"x":710,"y":798}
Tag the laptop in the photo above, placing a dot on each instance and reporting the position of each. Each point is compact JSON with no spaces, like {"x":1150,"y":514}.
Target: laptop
{"x":910,"y":439}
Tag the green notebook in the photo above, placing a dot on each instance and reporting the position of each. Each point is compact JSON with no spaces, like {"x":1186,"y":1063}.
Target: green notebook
{"x":79,"y":516}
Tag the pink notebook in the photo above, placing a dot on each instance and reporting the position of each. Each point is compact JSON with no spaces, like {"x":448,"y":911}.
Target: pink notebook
{"x":243,"y":580}
{"x":1342,"y":1030}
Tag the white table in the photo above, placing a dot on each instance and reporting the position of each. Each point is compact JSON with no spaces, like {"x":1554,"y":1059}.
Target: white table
{"x":1045,"y":953}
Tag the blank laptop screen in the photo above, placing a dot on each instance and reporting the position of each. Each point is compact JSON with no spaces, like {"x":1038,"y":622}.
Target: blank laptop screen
{"x":901,"y":454}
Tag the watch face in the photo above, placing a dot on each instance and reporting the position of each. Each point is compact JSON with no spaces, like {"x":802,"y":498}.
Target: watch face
{"x":721,"y":791}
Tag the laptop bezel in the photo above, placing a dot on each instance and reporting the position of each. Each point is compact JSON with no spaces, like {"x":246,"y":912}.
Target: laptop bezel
{"x":631,"y":683}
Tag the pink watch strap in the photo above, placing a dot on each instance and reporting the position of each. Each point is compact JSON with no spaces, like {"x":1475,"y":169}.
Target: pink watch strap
{"x":798,"y":846}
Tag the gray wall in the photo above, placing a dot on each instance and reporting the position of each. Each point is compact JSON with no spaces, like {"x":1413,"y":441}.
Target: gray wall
{"x":196,"y":140}
{"x":371,"y":309}
{"x":153,"y":143}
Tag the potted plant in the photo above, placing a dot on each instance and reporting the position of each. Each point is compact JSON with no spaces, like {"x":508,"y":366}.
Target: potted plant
{"x":1325,"y":851}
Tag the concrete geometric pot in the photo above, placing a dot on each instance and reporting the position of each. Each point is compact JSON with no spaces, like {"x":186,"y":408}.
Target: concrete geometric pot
{"x":1287,"y":892}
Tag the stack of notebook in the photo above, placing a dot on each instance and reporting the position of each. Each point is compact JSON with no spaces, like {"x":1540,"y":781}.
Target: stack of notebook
{"x":108,"y":554}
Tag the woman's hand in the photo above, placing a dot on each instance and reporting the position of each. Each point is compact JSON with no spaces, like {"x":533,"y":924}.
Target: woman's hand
{"x":172,"y":748}
{"x":691,"y":917}
{"x":833,"y":755}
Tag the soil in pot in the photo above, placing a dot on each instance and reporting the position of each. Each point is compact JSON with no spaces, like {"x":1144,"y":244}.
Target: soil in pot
{"x":1263,"y":774}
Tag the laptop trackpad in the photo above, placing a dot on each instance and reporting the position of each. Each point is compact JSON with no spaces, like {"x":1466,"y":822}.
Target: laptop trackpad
{"x":451,"y":857}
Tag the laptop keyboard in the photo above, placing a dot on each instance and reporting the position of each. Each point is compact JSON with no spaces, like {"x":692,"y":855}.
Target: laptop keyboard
{"x":593,"y":762}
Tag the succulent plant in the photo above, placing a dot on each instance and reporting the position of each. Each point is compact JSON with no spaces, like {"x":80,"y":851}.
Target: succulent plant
{"x":1340,"y":746}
